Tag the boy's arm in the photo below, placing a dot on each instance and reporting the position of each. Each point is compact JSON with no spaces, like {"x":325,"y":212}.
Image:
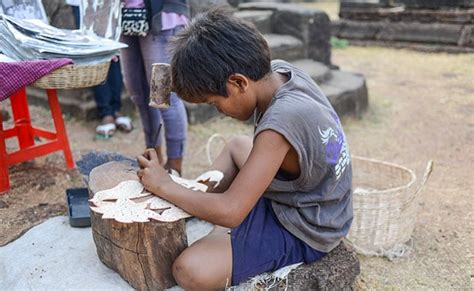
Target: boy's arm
{"x":230,"y":208}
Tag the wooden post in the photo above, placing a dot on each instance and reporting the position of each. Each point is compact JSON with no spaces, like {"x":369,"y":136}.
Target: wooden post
{"x":142,"y":253}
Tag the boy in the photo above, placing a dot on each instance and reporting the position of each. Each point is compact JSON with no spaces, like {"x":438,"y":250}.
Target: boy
{"x":286,"y":193}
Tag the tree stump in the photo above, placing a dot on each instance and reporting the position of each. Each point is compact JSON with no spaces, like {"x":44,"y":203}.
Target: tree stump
{"x":141,"y":252}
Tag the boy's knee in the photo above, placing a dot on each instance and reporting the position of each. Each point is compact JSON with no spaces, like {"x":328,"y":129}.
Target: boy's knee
{"x":239,"y":148}
{"x":186,"y":272}
{"x":239,"y":143}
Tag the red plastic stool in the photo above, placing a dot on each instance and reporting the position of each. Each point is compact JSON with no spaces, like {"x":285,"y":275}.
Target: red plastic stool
{"x":25,"y":132}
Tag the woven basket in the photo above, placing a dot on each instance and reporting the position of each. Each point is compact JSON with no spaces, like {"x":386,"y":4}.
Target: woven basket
{"x":74,"y":76}
{"x":384,"y":207}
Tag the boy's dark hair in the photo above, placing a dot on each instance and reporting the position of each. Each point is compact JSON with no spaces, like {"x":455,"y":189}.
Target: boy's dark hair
{"x":211,"y":48}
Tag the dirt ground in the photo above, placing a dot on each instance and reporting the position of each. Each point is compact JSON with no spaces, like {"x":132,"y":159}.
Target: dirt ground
{"x":421,"y":108}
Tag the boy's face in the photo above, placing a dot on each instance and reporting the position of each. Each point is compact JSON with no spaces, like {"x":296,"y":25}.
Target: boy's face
{"x":240,"y":102}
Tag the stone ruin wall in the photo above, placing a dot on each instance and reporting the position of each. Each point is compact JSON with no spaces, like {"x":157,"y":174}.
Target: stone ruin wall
{"x":438,"y":25}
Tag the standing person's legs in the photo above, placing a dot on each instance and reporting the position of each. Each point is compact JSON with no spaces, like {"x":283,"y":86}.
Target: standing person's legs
{"x":76,"y":11}
{"x":136,"y":80}
{"x":116,"y":84}
{"x":155,"y":50}
{"x":123,"y":123}
{"x":176,"y":123}
{"x":103,"y":98}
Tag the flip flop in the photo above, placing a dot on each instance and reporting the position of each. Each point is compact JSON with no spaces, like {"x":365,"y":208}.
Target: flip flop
{"x":124,"y":123}
{"x":105,"y":131}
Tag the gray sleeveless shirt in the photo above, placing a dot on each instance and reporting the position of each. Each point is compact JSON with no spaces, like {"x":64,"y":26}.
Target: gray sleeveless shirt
{"x":316,"y":207}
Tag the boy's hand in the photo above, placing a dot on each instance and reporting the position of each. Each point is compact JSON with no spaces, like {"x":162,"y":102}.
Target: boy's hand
{"x":152,"y":175}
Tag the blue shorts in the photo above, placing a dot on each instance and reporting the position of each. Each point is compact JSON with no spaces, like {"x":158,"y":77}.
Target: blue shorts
{"x":261,"y":244}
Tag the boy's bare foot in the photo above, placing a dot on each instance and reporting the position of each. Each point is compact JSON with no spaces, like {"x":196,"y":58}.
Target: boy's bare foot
{"x":175,"y":164}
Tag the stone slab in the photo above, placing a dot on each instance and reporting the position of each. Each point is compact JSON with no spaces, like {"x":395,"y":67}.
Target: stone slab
{"x":436,"y":4}
{"x":198,"y":113}
{"x":318,"y":71}
{"x":460,"y":16}
{"x":312,"y":26}
{"x":467,"y":36}
{"x":347,"y":92}
{"x":198,"y":6}
{"x":359,"y":4}
{"x":285,"y":47}
{"x":423,"y":47}
{"x":436,"y":33}
{"x":356,"y":29}
{"x":421,"y":32}
{"x":260,"y":18}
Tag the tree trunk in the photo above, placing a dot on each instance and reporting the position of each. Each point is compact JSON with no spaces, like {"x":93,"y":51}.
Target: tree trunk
{"x":142,"y":253}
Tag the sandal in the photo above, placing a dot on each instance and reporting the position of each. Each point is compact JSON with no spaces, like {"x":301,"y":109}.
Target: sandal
{"x":124,"y":123}
{"x":105,"y":131}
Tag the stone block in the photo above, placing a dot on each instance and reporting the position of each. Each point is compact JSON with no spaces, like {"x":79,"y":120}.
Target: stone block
{"x":436,"y":4}
{"x":358,"y":29}
{"x":198,"y":6}
{"x":198,"y":113}
{"x":311,"y":26}
{"x":347,"y":92}
{"x":358,"y":4}
{"x":319,"y":72}
{"x":260,"y":18}
{"x":467,"y":36}
{"x":285,"y":47}
{"x":421,"y":32}
{"x":461,"y":16}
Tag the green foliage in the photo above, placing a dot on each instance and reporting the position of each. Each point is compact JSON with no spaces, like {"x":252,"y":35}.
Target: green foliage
{"x":338,"y":43}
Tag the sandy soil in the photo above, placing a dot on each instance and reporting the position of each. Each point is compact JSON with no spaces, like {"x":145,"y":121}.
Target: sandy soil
{"x":421,"y":108}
